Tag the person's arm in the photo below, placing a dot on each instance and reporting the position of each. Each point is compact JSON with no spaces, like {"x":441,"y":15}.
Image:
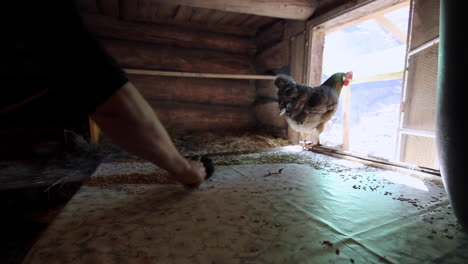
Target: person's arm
{"x":130,"y":121}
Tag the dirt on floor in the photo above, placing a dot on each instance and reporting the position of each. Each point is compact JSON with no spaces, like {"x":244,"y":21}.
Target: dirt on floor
{"x":222,"y":147}
{"x":123,"y":172}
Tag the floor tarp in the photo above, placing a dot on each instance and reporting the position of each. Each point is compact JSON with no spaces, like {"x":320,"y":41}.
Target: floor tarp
{"x":269,"y":213}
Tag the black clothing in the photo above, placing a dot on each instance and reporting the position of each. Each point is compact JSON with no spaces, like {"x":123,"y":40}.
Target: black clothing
{"x":52,"y":68}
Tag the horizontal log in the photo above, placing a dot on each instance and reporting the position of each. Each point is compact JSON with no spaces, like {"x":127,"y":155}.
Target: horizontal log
{"x":201,"y":117}
{"x":266,"y":88}
{"x":109,"y":7}
{"x":87,"y":6}
{"x":104,"y":26}
{"x":195,"y":90}
{"x":159,"y":57}
{"x":130,"y":11}
{"x":273,"y":58}
{"x":268,"y":114}
{"x":189,"y":25}
{"x":288,"y":9}
{"x":270,"y":36}
{"x":293,"y":28}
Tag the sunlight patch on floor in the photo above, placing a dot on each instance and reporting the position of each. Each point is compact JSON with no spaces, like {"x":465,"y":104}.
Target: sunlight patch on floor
{"x":405,"y":179}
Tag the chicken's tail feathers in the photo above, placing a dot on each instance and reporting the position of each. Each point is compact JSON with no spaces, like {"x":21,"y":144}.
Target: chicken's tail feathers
{"x":283,"y":80}
{"x":287,"y":88}
{"x":282,"y":111}
{"x":292,"y":96}
{"x":287,"y":92}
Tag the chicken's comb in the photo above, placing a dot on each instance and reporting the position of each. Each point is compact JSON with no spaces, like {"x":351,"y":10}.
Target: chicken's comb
{"x":347,"y":78}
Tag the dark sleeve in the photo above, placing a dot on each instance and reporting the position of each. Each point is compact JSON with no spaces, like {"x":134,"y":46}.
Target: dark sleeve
{"x":82,"y":74}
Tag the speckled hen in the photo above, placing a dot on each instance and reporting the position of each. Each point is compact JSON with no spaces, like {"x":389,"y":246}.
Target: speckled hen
{"x":308,"y":109}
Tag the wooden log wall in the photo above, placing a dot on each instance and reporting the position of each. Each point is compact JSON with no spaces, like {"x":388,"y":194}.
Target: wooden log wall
{"x":184,"y":104}
{"x":199,"y":103}
{"x":282,"y":51}
{"x":106,"y":26}
{"x":132,"y":54}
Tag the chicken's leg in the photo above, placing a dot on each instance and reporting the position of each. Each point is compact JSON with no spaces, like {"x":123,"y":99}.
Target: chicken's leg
{"x":320,"y":129}
{"x":302,"y":142}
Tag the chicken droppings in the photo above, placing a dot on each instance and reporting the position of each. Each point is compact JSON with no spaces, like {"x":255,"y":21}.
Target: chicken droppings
{"x":327,"y":243}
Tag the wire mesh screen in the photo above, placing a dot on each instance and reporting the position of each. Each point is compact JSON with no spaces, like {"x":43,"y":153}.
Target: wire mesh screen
{"x":420,"y":150}
{"x":422,"y":90}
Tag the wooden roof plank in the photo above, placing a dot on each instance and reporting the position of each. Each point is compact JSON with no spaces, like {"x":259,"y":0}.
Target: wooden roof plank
{"x":288,"y":9}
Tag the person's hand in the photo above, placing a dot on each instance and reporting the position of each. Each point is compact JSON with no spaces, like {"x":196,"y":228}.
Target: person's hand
{"x":191,"y":174}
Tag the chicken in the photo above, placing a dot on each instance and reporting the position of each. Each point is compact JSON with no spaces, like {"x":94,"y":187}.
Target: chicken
{"x":308,"y":109}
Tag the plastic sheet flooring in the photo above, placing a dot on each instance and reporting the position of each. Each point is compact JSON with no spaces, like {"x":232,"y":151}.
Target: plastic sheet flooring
{"x":338,"y":212}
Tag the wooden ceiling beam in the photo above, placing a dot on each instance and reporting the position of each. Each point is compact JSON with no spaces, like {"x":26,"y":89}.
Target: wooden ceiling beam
{"x":368,"y":11}
{"x":131,"y":12}
{"x":287,"y":9}
{"x":391,"y":27}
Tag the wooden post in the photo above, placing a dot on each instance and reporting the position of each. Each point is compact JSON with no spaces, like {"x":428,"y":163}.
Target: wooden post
{"x":346,"y":115}
{"x":316,"y":43}
{"x":297,"y":46}
{"x":312,"y":75}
